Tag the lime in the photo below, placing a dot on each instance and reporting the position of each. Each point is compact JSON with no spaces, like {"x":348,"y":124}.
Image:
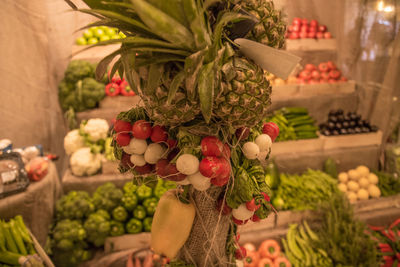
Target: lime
{"x":116,"y":36}
{"x":104,"y":28}
{"x":104,"y":38}
{"x":110,"y":32}
{"x":81,"y":41}
{"x":92,"y":40}
{"x":98,"y":33}
{"x":88,"y":34}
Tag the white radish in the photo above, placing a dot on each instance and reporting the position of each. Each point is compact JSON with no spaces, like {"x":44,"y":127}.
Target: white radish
{"x":362,"y":194}
{"x":374,"y":191}
{"x":251,"y":150}
{"x":343,"y":177}
{"x":138,"y":160}
{"x":153,"y":153}
{"x":199,"y":182}
{"x":264,"y":142}
{"x":187,"y":164}
{"x":135,"y":146}
{"x":342,"y":187}
{"x":263,"y":155}
{"x":184,"y":181}
{"x":353,"y":186}
{"x":242,"y":213}
{"x":364,"y":182}
{"x":373,"y":179}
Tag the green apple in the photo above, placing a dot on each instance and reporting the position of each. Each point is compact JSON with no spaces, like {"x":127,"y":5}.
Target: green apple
{"x":98,"y":33}
{"x":104,"y":38}
{"x":110,"y":31}
{"x":104,"y":28}
{"x":93,"y":40}
{"x":115,"y":36}
{"x":81,"y":41}
{"x":88,"y":34}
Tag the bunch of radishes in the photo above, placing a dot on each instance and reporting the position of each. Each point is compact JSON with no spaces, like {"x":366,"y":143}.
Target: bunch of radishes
{"x":302,"y":28}
{"x":260,"y":148}
{"x":325,"y":72}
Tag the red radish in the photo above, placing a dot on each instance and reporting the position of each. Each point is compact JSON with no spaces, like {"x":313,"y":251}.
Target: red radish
{"x":251,"y":205}
{"x":266,"y":197}
{"x":255,"y":218}
{"x":322,"y":28}
{"x":226,"y":152}
{"x":303,"y":35}
{"x":126,"y":160}
{"x":161,"y":167}
{"x":310,"y":67}
{"x":314,"y":23}
{"x":331,"y":65}
{"x":304,"y":28}
{"x":171,"y":143}
{"x":210,"y":167}
{"x":211,"y":146}
{"x":220,"y":181}
{"x":141,"y":129}
{"x":265,"y":262}
{"x":335,"y":74}
{"x":122,"y":126}
{"x":271,"y":129}
{"x":305,"y":74}
{"x":223,"y":207}
{"x":327,"y":35}
{"x":294,"y":35}
{"x":319,"y":35}
{"x":242,"y":133}
{"x":237,"y":237}
{"x":239,"y":222}
{"x":325,"y":75}
{"x":174,"y":174}
{"x":144,"y":169}
{"x":158,"y":134}
{"x":269,"y":249}
{"x":323,"y":67}
{"x":173,"y":153}
{"x":297,"y":21}
{"x":304,"y":22}
{"x":240,"y":253}
{"x":312,"y":35}
{"x":315,"y":74}
{"x":224,"y":169}
{"x":282,"y":262}
{"x":123,"y":139}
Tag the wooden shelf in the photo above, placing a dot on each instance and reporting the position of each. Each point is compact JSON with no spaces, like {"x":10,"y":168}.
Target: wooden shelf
{"x":311,"y":44}
{"x":95,"y":54}
{"x":301,"y":91}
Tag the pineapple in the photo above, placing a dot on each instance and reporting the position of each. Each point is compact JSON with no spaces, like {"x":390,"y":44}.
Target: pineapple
{"x":271,"y":28}
{"x":241,"y":94}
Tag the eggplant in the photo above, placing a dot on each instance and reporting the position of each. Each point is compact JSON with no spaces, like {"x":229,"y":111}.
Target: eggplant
{"x":365,"y":130}
{"x":340,"y":118}
{"x":374,"y":128}
{"x":352,"y":124}
{"x":343,"y":131}
{"x":357,"y":130}
{"x":346,"y":124}
{"x":335,"y":132}
{"x":332,"y":113}
{"x":338,"y":126}
{"x":326,"y":132}
{"x":331,"y":125}
{"x":332,"y":119}
{"x":339,"y":112}
{"x":350,"y":131}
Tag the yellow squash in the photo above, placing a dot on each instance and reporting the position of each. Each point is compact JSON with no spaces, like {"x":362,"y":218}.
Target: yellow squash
{"x":171,"y":225}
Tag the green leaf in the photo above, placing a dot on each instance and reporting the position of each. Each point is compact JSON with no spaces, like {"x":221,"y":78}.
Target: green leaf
{"x":192,"y":68}
{"x":103,"y":64}
{"x":154,"y":78}
{"x":195,"y":16}
{"x":128,"y":61}
{"x":173,"y":8}
{"x":176,"y":82}
{"x":164,"y":25}
{"x":206,"y":86}
{"x":158,"y":50}
{"x":225,"y":19}
{"x":208,"y":3}
{"x":141,"y":41}
{"x":157,"y":59}
{"x":115,"y":67}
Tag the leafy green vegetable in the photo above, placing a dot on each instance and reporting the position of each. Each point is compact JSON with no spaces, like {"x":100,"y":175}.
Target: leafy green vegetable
{"x":389,"y":184}
{"x":97,"y":227}
{"x":76,"y":205}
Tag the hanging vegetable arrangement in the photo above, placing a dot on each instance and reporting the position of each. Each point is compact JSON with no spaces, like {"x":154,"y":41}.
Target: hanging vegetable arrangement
{"x":200,"y":124}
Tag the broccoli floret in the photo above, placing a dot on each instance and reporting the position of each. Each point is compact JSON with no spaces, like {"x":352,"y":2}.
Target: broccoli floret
{"x":107,"y":197}
{"x":78,"y":70}
{"x":92,"y":92}
{"x":75,"y":206}
{"x":98,"y":228}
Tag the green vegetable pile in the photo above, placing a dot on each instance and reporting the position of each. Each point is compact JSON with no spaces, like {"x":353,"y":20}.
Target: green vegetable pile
{"x":16,"y":244}
{"x":93,"y":35}
{"x":84,"y":222}
{"x":304,"y":192}
{"x":294,"y":124}
{"x":389,"y":184}
{"x":79,"y":90}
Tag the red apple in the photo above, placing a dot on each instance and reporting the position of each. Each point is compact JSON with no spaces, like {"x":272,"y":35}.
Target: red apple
{"x":323,"y":80}
{"x":312,"y":29}
{"x":290,"y":28}
{"x":323,"y":67}
{"x":322,"y":28}
{"x":304,"y":21}
{"x":312,"y":35}
{"x":320,"y":35}
{"x":310,"y":67}
{"x":314,"y":23}
{"x":294,"y":35}
{"x":296,"y":21}
{"x":327,"y":35}
{"x":335,"y":74}
{"x":296,"y":28}
{"x":304,"y":28}
{"x":325,"y":75}
{"x":303,"y":35}
{"x":315,"y":75}
{"x":331,"y":65}
{"x":305,"y":75}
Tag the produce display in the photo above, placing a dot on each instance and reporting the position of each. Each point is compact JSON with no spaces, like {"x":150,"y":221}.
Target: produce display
{"x":294,"y":124}
{"x":269,"y":254}
{"x":302,"y":28}
{"x":83,"y":222}
{"x":392,"y":159}
{"x":118,"y":86}
{"x":93,"y":35}
{"x":340,"y":123}
{"x":388,"y":183}
{"x":359,"y":184}
{"x":304,"y":192}
{"x":16,"y":245}
{"x":325,"y":72}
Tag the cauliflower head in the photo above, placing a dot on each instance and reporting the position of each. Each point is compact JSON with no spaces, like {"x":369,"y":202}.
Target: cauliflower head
{"x":96,"y":129}
{"x":83,"y":162}
{"x":73,"y":141}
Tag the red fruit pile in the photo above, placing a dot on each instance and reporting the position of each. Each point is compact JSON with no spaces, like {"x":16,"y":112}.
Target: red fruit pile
{"x":302,"y":28}
{"x":216,"y":161}
{"x":118,"y":86}
{"x":325,"y":72}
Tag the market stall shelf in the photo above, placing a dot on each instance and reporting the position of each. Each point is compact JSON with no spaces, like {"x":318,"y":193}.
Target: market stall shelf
{"x":90,"y":183}
{"x":310,"y":44}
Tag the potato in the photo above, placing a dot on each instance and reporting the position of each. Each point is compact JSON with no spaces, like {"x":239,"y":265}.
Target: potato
{"x":343,"y":177}
{"x":342,"y":187}
{"x":364,"y":182}
{"x":353,"y":175}
{"x":374,"y":191}
{"x":373,"y":179}
{"x":352,"y":196}
{"x":362,"y":170}
{"x":353,"y":186}
{"x":362,"y":194}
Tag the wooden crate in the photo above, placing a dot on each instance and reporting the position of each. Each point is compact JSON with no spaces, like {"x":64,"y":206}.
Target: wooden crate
{"x":298,"y":146}
{"x":352,"y":140}
{"x":311,"y":44}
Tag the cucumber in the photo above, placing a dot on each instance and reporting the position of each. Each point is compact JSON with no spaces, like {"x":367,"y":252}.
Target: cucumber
{"x":272,"y":177}
{"x":330,"y":167}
